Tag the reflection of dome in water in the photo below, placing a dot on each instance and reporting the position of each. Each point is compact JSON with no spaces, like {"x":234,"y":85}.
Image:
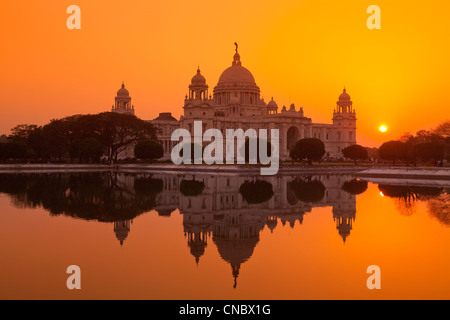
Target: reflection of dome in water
{"x":197,"y":243}
{"x":236,"y":252}
{"x":344,"y":231}
{"x":344,"y":223}
{"x":121,"y":229}
{"x":272,"y":223}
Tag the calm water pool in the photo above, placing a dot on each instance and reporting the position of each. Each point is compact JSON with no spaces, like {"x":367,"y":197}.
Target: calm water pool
{"x":219,"y":236}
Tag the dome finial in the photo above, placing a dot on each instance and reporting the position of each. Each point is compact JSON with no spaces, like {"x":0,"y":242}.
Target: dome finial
{"x":237,"y":57}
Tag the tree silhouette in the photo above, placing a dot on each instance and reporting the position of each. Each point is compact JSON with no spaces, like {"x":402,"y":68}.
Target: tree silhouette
{"x":62,"y":138}
{"x":355,"y":152}
{"x":90,"y":196}
{"x":443,"y":129}
{"x":307,"y":190}
{"x":148,"y":150}
{"x":439,"y":208}
{"x":191,"y":188}
{"x":427,"y":151}
{"x":90,"y":149}
{"x":407,"y":196}
{"x":355,"y":186}
{"x":311,"y":149}
{"x":393,"y":151}
{"x":258,"y":191}
{"x":13,"y":150}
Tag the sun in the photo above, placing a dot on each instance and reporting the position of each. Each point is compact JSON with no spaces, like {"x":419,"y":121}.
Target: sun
{"x":383,"y":128}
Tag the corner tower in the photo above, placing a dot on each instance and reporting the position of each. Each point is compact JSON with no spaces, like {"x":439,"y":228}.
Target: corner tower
{"x":344,"y":122}
{"x":197,"y":105}
{"x":123,"y":102}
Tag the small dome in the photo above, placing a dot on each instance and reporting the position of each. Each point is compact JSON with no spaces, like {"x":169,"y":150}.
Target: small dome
{"x":272,"y":104}
{"x":123,"y":92}
{"x":198,"y":79}
{"x":344,"y":96}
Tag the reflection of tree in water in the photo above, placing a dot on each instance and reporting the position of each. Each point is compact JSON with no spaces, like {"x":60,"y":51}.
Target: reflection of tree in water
{"x":255,"y":192}
{"x":406,"y":208}
{"x":407,"y":196}
{"x":105,"y":197}
{"x":355,"y":186}
{"x":439,"y":208}
{"x":307,"y":190}
{"x":191,"y":188}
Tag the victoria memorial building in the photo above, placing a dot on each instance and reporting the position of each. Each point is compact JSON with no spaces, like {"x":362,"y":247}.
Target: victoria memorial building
{"x":235,"y":102}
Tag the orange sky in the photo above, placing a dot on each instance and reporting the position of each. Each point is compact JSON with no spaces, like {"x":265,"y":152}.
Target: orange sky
{"x":298,"y":51}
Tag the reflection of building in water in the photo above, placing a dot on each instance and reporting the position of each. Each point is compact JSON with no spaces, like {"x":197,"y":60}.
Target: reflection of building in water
{"x":221,"y":212}
{"x":167,"y":200}
{"x":236,"y":236}
{"x":197,"y":242}
{"x":344,"y":215}
{"x":121,"y":229}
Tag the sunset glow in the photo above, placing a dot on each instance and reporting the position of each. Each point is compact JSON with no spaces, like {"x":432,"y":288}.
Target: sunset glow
{"x":301,"y":52}
{"x":231,"y":153}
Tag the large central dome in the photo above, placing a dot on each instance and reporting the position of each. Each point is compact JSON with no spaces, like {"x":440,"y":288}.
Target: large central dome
{"x":237,"y":76}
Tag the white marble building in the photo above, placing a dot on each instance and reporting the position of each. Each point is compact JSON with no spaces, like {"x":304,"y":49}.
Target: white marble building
{"x":236,"y":103}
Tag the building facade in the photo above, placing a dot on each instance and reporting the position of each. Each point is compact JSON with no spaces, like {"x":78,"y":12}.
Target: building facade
{"x":236,"y":103}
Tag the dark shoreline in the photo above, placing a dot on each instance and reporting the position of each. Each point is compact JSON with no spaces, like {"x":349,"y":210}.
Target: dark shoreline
{"x":358,"y":171}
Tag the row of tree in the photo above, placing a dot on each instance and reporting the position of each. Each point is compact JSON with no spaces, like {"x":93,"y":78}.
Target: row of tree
{"x":425,"y":146}
{"x":313,"y":149}
{"x":78,"y":138}
{"x":89,"y":138}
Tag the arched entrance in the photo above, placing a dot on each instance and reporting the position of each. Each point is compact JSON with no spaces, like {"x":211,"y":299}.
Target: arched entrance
{"x":292,"y":137}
